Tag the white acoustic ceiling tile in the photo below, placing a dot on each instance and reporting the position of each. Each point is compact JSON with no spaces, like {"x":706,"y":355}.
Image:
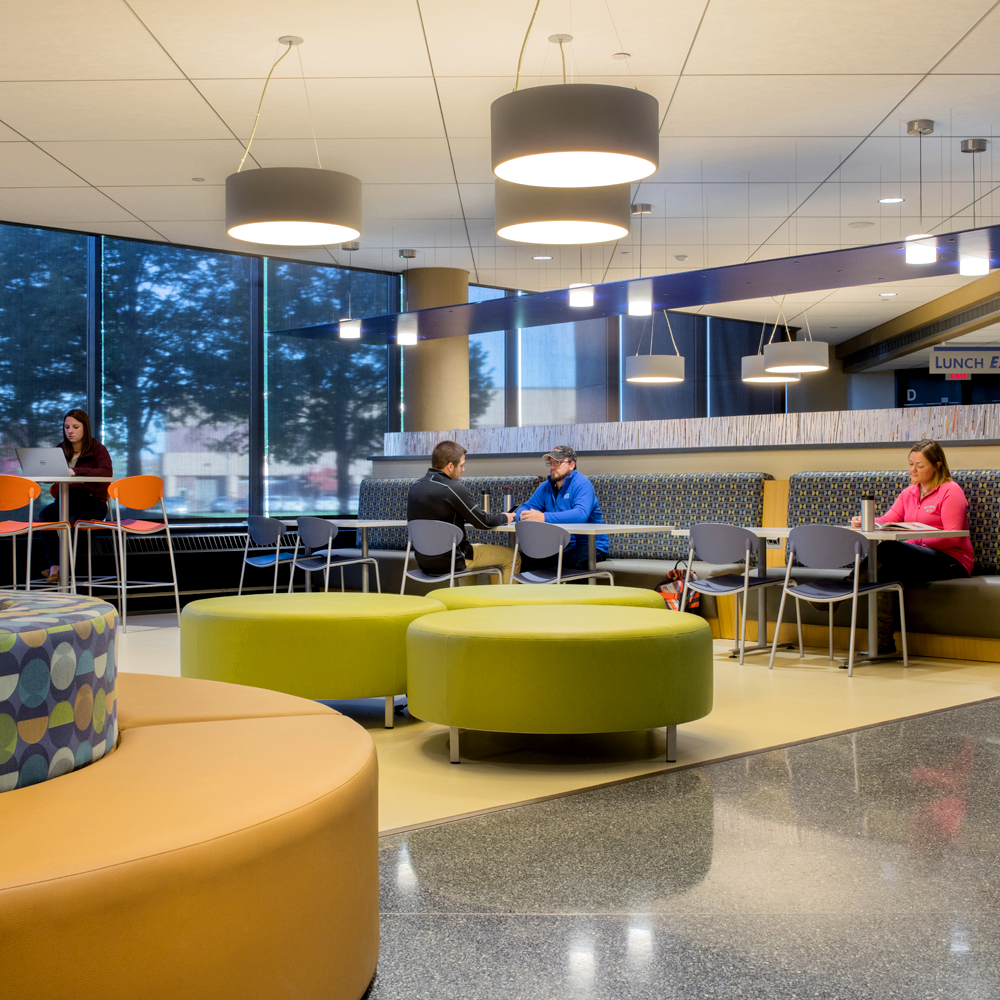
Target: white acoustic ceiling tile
{"x":783,"y":105}
{"x":656,"y":35}
{"x":193,"y":202}
{"x":837,"y":38}
{"x":372,"y":160}
{"x":23,"y":164}
{"x":962,"y":106}
{"x":411,"y":201}
{"x":134,"y":109}
{"x":472,"y":160}
{"x":121,"y":163}
{"x":341,"y":108}
{"x":59,"y":206}
{"x":978,"y":52}
{"x":238,"y":38}
{"x":96,"y":40}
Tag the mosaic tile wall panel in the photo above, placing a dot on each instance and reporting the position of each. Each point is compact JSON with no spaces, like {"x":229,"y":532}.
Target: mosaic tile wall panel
{"x":942,"y":423}
{"x":680,"y":499}
{"x":58,"y":704}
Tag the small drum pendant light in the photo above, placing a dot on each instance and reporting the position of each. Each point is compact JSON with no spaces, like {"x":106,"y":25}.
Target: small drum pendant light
{"x":561,"y":215}
{"x":797,"y":356}
{"x":654,"y":368}
{"x":754,"y":371}
{"x":575,"y":135}
{"x":293,"y":206}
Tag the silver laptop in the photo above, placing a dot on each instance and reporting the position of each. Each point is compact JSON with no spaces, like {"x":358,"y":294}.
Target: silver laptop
{"x":37,"y":463}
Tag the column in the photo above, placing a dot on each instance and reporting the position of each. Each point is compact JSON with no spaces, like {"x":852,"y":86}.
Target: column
{"x":435,"y":372}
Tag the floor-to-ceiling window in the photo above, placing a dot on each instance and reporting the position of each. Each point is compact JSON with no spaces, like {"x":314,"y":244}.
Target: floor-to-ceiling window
{"x":43,"y":336}
{"x":175,"y":371}
{"x":327,"y":398}
{"x":487,"y":367}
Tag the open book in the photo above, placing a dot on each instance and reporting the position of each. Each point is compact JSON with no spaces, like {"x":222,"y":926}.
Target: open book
{"x":907,"y":526}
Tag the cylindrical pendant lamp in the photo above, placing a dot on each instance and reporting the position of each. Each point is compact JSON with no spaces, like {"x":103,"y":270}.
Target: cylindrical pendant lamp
{"x":654,"y":368}
{"x":797,"y":356}
{"x":293,"y":206}
{"x":575,"y":135}
{"x":561,"y":215}
{"x":754,"y":371}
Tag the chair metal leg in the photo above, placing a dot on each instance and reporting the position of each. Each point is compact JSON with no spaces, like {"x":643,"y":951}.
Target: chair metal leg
{"x":777,"y":628}
{"x":798,"y":623}
{"x":453,"y":754}
{"x":830,"y":628}
{"x":173,"y":573}
{"x":378,"y":582}
{"x":741,"y":607}
{"x":390,"y":706}
{"x":671,"y":744}
{"x":902,"y":626}
{"x":854,"y":625}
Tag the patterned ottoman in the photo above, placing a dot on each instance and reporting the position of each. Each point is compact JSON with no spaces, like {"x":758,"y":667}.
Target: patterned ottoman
{"x":58,"y":708}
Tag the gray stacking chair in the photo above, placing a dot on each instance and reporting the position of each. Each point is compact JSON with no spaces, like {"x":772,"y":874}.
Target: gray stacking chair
{"x":434,"y":538}
{"x":265,"y":532}
{"x":827,"y":546}
{"x":726,"y":543}
{"x":315,"y":535}
{"x":540,"y":540}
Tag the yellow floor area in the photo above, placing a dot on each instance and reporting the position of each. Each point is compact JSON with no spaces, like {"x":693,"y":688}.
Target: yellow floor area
{"x":754,"y":709}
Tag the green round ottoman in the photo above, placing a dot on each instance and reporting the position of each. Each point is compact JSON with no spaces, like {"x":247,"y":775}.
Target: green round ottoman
{"x":566,"y":668}
{"x":319,"y":646}
{"x":455,"y":598}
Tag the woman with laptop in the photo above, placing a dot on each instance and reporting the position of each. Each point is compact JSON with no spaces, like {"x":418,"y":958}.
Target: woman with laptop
{"x":85,"y":456}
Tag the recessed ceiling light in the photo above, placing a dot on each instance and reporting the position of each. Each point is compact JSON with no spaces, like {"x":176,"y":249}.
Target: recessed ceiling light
{"x":886,"y":295}
{"x":621,"y":55}
{"x":541,"y":256}
{"x":860,"y":225}
{"x":890,"y":201}
{"x":624,"y":253}
{"x":198,"y":179}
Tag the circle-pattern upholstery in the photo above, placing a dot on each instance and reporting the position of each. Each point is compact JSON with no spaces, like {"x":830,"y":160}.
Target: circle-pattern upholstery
{"x":58,"y":674}
{"x":455,"y":598}
{"x":319,"y":646}
{"x":560,"y":668}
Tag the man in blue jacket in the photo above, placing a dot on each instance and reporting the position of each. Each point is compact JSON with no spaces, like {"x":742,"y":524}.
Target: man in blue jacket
{"x":565,"y":498}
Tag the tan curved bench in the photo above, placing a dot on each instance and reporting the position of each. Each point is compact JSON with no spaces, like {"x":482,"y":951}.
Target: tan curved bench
{"x":228,"y":848}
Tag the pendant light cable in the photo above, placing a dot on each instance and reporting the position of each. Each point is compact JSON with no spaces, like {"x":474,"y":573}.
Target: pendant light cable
{"x":621,"y":48}
{"x":312,"y":124}
{"x":671,"y":329}
{"x":524,"y":45}
{"x":256,"y":120}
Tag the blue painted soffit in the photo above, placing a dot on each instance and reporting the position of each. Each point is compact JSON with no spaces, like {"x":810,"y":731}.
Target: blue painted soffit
{"x":865,"y":265}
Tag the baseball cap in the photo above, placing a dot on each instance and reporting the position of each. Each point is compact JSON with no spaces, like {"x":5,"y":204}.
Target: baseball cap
{"x":561,"y":453}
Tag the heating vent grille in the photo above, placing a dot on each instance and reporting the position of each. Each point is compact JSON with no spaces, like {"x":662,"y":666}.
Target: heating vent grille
{"x":187,"y":542}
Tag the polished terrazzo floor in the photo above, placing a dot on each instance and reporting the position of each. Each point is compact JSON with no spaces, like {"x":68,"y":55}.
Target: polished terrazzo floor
{"x":864,"y":865}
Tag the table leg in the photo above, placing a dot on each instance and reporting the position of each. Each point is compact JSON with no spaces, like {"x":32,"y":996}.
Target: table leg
{"x":63,"y":537}
{"x":873,"y":599}
{"x":364,"y":566}
{"x":592,"y":557}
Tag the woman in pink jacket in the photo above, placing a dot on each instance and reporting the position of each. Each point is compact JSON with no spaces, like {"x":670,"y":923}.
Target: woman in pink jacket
{"x":935,"y":499}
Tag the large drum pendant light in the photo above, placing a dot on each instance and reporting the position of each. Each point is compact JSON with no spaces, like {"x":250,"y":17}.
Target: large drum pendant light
{"x":753,"y":370}
{"x":575,"y":135}
{"x":653,"y":368}
{"x":783,"y":356}
{"x":293,"y":206}
{"x":561,"y":215}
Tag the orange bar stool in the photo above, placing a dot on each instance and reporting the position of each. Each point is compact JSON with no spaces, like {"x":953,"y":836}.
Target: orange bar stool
{"x":16,"y":492}
{"x":133,"y":493}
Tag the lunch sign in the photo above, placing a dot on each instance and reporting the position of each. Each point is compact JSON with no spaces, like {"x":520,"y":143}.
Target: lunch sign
{"x":964,"y":361}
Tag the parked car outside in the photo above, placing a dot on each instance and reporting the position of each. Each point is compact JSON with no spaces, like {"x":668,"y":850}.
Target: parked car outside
{"x":176,"y":505}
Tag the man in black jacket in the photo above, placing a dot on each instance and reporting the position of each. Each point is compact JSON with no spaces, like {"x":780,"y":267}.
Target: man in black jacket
{"x":439,"y":496}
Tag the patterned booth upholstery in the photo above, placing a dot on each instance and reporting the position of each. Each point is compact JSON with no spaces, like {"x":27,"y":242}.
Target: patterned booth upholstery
{"x":58,"y":706}
{"x":680,"y":499}
{"x":969,"y":606}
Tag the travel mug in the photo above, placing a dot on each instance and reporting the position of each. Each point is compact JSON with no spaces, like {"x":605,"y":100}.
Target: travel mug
{"x":508,"y":499}
{"x":484,"y":501}
{"x":868,"y":513}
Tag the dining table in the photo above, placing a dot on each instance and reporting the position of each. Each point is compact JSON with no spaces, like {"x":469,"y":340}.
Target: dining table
{"x":590,"y":530}
{"x":64,"y":483}
{"x":874,"y":538}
